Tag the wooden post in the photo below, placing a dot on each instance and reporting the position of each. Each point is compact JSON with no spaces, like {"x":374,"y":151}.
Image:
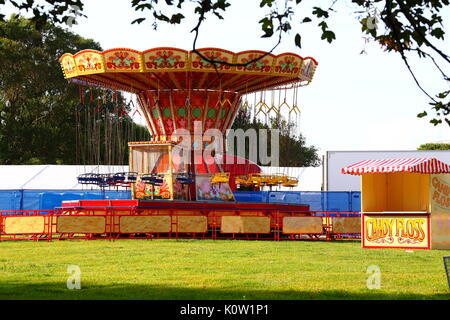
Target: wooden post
{"x":170,"y":178}
{"x":131,"y":169}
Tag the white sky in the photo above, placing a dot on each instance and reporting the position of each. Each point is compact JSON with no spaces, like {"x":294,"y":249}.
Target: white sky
{"x":355,"y":102}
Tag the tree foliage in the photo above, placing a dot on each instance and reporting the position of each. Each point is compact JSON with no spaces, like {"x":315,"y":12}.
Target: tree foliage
{"x":37,"y":105}
{"x":57,"y":11}
{"x":434,"y":146}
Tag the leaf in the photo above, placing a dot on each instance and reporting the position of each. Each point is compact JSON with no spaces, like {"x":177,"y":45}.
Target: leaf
{"x":443,"y":95}
{"x":161,"y":17}
{"x":298,"y":40}
{"x":176,"y":18}
{"x":285,"y":27}
{"x":307,"y":19}
{"x":435,"y":122}
{"x":180,"y":3}
{"x":437,"y":33}
{"x":422,"y":114}
{"x":218,"y":15}
{"x":323,"y":25}
{"x":266,"y":2}
{"x":14,"y":4}
{"x":328,"y":35}
{"x":268,"y":33}
{"x":320,"y":12}
{"x":221,"y":4}
{"x":267,"y":27}
{"x":143,"y":6}
{"x":138,"y":21}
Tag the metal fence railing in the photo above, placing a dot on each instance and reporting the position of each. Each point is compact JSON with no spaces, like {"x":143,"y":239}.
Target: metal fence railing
{"x":168,"y":223}
{"x":447,"y":268}
{"x":49,"y":199}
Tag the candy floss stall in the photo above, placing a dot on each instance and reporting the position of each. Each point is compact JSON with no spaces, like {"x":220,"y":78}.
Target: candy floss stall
{"x":405,"y":203}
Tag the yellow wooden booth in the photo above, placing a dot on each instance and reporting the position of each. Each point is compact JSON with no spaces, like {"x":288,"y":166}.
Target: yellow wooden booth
{"x":405,"y":203}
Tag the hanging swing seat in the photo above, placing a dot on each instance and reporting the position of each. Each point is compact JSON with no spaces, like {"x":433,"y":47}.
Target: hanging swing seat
{"x":89,"y":178}
{"x":275,"y":180}
{"x":101,"y":180}
{"x":185,"y":178}
{"x":258,"y":179}
{"x":243,"y":180}
{"x":295,"y":109}
{"x":109,"y":180}
{"x":290,"y":182}
{"x":153,"y":179}
{"x":125,"y":179}
{"x":221,"y":177}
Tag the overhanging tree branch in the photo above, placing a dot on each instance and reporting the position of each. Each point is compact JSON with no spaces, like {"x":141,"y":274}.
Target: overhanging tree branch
{"x":215,"y":62}
{"x":413,"y":23}
{"x":392,"y":24}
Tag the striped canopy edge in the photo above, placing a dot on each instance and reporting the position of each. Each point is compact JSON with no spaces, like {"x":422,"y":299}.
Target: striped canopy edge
{"x":413,"y":165}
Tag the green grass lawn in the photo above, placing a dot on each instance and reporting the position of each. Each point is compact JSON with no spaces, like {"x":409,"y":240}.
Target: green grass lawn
{"x":206,"y":269}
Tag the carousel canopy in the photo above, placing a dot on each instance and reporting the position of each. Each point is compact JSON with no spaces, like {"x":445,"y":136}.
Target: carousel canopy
{"x":172,"y":68}
{"x":413,"y":165}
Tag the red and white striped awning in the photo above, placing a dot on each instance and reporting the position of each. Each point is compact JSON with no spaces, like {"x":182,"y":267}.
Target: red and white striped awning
{"x":418,"y":165}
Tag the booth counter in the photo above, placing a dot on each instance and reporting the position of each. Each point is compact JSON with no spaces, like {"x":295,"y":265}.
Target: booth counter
{"x":405,"y":203}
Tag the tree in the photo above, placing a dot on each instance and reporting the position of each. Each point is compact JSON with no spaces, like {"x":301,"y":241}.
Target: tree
{"x":402,"y":26}
{"x":35,"y":101}
{"x":38,"y":122}
{"x":292,"y":147}
{"x":434,"y":146}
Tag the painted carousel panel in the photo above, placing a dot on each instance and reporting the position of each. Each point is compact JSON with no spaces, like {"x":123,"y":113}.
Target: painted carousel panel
{"x":192,"y":224}
{"x":144,"y":224}
{"x":81,"y":224}
{"x":24,"y":225}
{"x":123,"y":60}
{"x":294,"y":225}
{"x":165,"y":58}
{"x":240,"y":224}
{"x":346,"y":224}
{"x":89,"y":62}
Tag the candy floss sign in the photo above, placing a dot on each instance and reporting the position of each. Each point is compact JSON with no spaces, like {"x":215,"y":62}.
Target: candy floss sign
{"x":396,"y":232}
{"x":440,"y":192}
{"x":440,"y":211}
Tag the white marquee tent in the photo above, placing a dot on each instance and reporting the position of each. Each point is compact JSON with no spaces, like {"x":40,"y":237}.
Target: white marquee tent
{"x":64,"y":177}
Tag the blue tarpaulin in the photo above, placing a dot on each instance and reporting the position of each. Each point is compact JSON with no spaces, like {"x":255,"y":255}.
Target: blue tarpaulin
{"x":49,"y":199}
{"x":317,"y":200}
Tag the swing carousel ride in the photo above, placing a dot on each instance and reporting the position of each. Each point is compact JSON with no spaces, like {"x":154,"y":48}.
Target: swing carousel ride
{"x":179,"y":91}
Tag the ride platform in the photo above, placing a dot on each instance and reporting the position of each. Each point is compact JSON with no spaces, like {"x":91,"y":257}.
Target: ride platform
{"x":137,"y":206}
{"x":165,"y":216}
